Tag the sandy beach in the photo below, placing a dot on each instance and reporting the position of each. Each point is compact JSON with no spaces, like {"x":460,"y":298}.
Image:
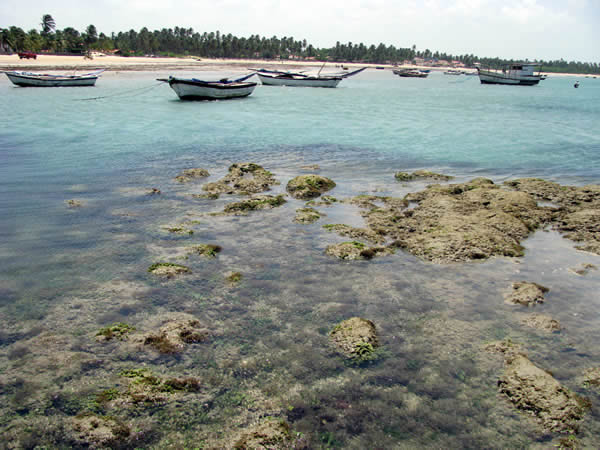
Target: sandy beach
{"x":137,"y":63}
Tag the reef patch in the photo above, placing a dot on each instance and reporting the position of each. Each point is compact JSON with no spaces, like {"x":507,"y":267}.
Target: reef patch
{"x":526,"y":293}
{"x":535,"y":391}
{"x":173,"y":337}
{"x":168,"y":270}
{"x":421,"y":175}
{"x":309,"y":186}
{"x":541,"y":322}
{"x":356,"y":338}
{"x":353,"y":250}
{"x":242,"y":179}
{"x":191,"y":174}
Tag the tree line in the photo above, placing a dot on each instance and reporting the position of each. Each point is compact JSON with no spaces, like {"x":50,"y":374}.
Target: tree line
{"x":185,"y":41}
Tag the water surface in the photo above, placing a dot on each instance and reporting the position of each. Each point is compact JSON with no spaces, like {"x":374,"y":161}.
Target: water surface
{"x":67,"y":272}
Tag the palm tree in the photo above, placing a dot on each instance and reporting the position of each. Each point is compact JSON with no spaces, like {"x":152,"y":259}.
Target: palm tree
{"x":5,"y":44}
{"x":91,"y":34}
{"x":48,"y":24}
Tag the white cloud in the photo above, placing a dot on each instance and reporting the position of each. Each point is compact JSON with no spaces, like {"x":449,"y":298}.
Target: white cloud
{"x":505,"y":28}
{"x":529,"y":12}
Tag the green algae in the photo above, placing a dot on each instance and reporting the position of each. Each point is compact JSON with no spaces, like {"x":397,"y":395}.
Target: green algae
{"x":255,"y":203}
{"x":208,"y":250}
{"x":173,"y":337}
{"x":356,"y":244}
{"x":569,"y":442}
{"x":355,"y":233}
{"x":354,"y":250}
{"x":309,"y":186}
{"x":118,"y":330}
{"x":100,"y":432}
{"x":325,"y":200}
{"x":106,"y":396}
{"x":234,"y":277}
{"x":191,"y":174}
{"x":161,"y":343}
{"x":364,"y":351}
{"x":356,"y":338}
{"x":422,"y":398}
{"x":148,"y":388}
{"x":307,"y":215}
{"x":142,"y":376}
{"x":421,"y":174}
{"x":168,"y":269}
{"x":208,"y":196}
{"x":242,"y":179}
{"x":178,"y":229}
{"x":271,"y":432}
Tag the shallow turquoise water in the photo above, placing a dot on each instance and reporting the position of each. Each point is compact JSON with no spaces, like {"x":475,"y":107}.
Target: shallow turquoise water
{"x":443,"y":121}
{"x":61,"y":267}
{"x":369,"y":127}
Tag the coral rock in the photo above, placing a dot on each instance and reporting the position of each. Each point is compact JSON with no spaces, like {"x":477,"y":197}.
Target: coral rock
{"x":534,"y":390}
{"x":541,"y":322}
{"x":307,"y":215}
{"x":309,"y":186}
{"x":356,"y":338}
{"x":356,"y":250}
{"x":191,"y":174}
{"x":421,"y":175}
{"x":271,"y":433}
{"x":168,"y":270}
{"x":242,"y":179}
{"x":525,"y":293}
{"x":173,"y":336}
{"x":258,"y":202}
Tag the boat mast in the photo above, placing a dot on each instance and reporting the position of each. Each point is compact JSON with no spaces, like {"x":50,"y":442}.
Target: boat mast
{"x":319,"y":73}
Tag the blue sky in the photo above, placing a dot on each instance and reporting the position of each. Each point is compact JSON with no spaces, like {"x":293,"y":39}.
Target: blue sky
{"x":519,"y":29}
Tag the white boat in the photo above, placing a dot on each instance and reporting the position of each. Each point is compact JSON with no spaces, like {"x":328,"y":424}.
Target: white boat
{"x":453,"y":72}
{"x":523,"y":74}
{"x":411,"y":73}
{"x":299,"y":79}
{"x":29,"y":79}
{"x":194,"y":89}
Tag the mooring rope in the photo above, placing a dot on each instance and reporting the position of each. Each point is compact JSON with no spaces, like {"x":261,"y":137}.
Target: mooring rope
{"x":129,"y":93}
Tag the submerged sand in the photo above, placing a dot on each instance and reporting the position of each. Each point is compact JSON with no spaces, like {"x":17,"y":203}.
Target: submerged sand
{"x":266,"y":357}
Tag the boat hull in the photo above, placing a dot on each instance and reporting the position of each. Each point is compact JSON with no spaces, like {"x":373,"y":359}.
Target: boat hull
{"x":50,"y":81}
{"x":411,"y":73}
{"x":491,"y":77}
{"x":199,"y":90}
{"x":324,"y":82}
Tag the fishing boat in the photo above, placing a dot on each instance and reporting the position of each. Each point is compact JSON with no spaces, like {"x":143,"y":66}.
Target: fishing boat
{"x":411,"y":73}
{"x":194,"y":89}
{"x":522,"y":74}
{"x":453,"y":72}
{"x":300,"y":79}
{"x":29,"y":79}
